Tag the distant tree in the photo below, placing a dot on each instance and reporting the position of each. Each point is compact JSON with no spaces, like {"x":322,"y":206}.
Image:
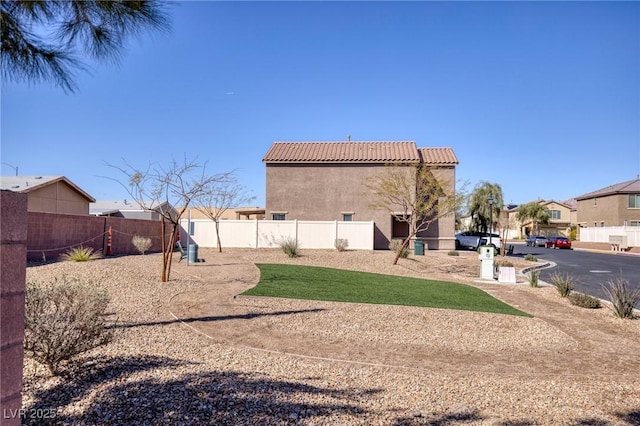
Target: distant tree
{"x":168,"y":191}
{"x":40,"y":39}
{"x":415,"y":196}
{"x":218,"y":197}
{"x":534,"y":212}
{"x":479,"y":209}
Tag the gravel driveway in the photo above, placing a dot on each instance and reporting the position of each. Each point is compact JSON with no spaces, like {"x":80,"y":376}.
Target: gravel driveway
{"x":190,"y":352}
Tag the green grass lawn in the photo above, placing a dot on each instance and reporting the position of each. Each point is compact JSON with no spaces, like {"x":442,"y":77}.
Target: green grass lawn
{"x":315,"y":283}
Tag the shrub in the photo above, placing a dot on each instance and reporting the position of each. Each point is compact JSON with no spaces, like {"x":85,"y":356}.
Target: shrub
{"x":142,"y":244}
{"x":81,"y":254}
{"x":396,"y":245}
{"x":564,"y":283}
{"x":623,"y":298}
{"x":64,"y":318}
{"x":531,"y":258}
{"x":341,"y":244}
{"x":453,"y":253}
{"x":502,"y":263}
{"x":290,"y":247}
{"x":584,"y":300}
{"x":533,"y":277}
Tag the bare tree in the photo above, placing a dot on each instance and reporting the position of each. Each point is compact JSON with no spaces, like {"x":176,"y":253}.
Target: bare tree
{"x":168,"y":191}
{"x":414,"y":195}
{"x":218,"y":197}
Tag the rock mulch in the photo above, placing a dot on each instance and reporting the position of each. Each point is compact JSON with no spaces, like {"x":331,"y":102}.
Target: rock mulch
{"x":188,"y":353}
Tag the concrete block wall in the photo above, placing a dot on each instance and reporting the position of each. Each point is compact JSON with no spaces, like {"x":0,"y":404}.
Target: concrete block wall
{"x":52,"y":234}
{"x":13,"y":257}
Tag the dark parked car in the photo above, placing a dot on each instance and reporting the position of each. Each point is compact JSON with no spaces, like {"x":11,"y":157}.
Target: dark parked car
{"x":536,"y":241}
{"x":558,"y":242}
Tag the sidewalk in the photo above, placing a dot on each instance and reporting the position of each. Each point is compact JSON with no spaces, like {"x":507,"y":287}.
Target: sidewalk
{"x":603,"y":247}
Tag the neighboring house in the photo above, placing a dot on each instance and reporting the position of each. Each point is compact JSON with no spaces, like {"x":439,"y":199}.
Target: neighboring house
{"x":615,"y":205}
{"x":127,"y":209}
{"x":49,"y":194}
{"x":560,"y":220}
{"x":327,"y":181}
{"x":237,"y":213}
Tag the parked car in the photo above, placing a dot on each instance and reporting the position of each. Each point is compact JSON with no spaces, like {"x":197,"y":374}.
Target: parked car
{"x":558,"y":242}
{"x":472,"y":240}
{"x":536,"y":241}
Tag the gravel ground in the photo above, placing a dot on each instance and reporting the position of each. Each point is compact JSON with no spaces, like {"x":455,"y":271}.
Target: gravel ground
{"x":188,"y":353}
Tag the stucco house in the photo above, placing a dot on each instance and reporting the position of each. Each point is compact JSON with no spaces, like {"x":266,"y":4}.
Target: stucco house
{"x":49,"y":194}
{"x":560,"y":219}
{"x":615,"y":205}
{"x":327,"y":181}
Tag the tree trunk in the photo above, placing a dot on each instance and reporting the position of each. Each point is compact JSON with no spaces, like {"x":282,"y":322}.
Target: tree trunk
{"x":164,"y":253}
{"x":404,"y":245}
{"x":217,"y":222}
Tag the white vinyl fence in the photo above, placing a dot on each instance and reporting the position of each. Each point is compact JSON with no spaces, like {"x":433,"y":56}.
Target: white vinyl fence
{"x":270,"y":233}
{"x":602,"y":234}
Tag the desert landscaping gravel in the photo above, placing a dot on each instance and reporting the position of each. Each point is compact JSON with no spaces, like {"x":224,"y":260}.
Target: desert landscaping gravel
{"x":193,"y":351}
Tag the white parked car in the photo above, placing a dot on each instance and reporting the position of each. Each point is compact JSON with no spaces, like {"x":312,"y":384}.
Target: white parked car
{"x":472,"y":240}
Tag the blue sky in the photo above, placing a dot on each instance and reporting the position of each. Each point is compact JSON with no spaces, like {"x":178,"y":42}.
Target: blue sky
{"x":542,"y":98}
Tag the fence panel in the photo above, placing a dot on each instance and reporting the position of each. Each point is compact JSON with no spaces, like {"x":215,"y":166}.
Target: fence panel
{"x":601,"y":234}
{"x":269,"y":234}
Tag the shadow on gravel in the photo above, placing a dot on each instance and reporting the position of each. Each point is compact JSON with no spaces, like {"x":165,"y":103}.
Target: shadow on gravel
{"x":247,"y":316}
{"x":444,"y":420}
{"x":209,"y":398}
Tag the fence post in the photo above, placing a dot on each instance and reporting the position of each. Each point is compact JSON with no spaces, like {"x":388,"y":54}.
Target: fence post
{"x":257,"y":233}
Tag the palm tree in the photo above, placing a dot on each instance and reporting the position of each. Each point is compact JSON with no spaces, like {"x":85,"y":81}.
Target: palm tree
{"x":535,"y":213}
{"x":479,"y":207}
{"x":40,"y":38}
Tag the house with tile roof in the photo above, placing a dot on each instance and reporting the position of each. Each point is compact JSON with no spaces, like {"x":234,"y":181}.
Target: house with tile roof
{"x":327,"y":181}
{"x":49,"y":194}
{"x":614,"y":205}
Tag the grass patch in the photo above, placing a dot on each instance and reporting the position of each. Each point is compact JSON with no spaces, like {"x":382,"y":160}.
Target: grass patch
{"x":336,"y":285}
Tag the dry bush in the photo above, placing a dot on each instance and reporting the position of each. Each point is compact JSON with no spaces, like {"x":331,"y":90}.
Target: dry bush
{"x":64,"y":318}
{"x":290,"y":247}
{"x":564,"y":283}
{"x":623,"y":298}
{"x":142,"y":244}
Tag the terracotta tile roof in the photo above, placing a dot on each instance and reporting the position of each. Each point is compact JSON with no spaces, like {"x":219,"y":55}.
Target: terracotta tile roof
{"x":438,"y":156}
{"x":628,"y":187}
{"x":343,"y":152}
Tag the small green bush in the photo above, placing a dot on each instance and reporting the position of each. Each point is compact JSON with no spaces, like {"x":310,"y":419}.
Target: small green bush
{"x":531,"y":258}
{"x":584,"y":300}
{"x":142,"y":244}
{"x":533,"y":277}
{"x":290,"y":247}
{"x":623,"y":298}
{"x":81,"y":254}
{"x":453,"y":253}
{"x":564,"y":283}
{"x":396,"y":245}
{"x":341,"y":244}
{"x":64,"y":318}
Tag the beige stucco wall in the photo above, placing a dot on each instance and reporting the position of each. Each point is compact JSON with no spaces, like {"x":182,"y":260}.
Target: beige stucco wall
{"x":58,"y":197}
{"x":613,"y":210}
{"x":325,"y":192}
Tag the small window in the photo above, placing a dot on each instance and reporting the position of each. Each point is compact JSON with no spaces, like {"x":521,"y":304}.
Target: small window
{"x":595,"y":202}
{"x":192,"y":228}
{"x":278,"y":216}
{"x":601,"y":224}
{"x":347,"y":217}
{"x":634,"y":223}
{"x":634,"y":201}
{"x":554,"y":214}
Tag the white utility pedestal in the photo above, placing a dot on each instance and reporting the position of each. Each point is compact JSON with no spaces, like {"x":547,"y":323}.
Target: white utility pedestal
{"x":486,"y":262}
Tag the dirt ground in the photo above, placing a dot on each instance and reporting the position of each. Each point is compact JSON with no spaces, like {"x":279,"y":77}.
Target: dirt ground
{"x":589,"y":340}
